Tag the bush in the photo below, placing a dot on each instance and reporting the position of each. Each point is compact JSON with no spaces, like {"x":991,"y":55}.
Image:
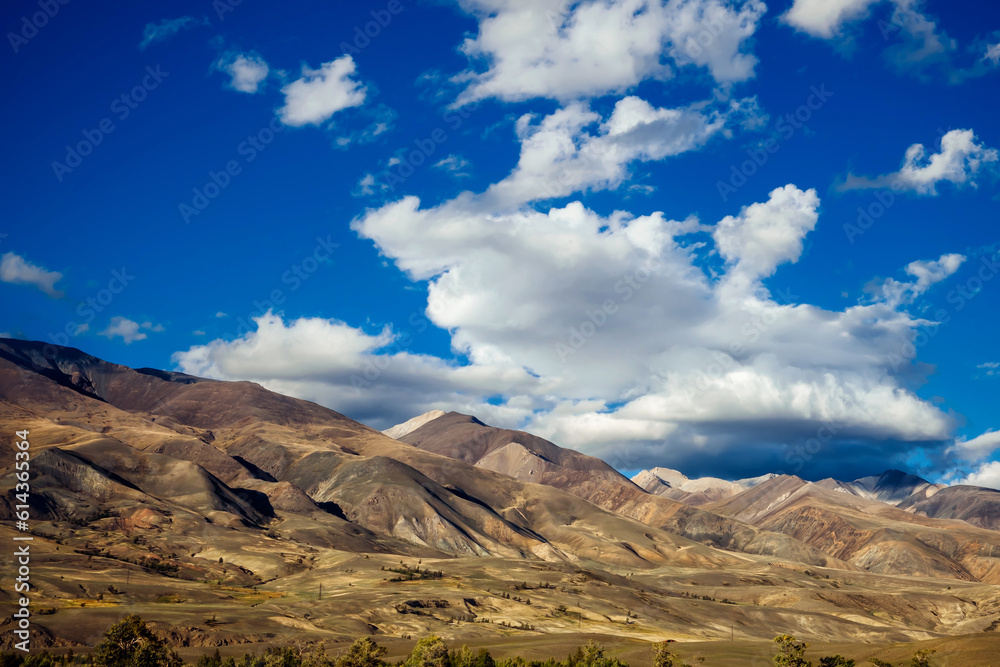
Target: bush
{"x":791,"y":652}
{"x":466,"y":658}
{"x":129,"y":643}
{"x":835,"y":661}
{"x":922,"y":658}
{"x":430,"y":651}
{"x":664,"y":657}
{"x":592,"y":655}
{"x":364,"y":652}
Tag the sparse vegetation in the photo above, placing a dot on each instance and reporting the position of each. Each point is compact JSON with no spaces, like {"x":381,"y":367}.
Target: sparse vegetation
{"x":791,"y":652}
{"x":129,"y":643}
{"x":835,"y":661}
{"x":406,"y":573}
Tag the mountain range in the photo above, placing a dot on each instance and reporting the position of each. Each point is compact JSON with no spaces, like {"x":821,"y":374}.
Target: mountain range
{"x":228,"y":497}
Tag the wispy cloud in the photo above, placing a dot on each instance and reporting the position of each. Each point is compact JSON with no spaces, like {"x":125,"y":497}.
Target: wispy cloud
{"x":129,"y":330}
{"x":958,"y":161}
{"x":19,"y":271}
{"x":455,"y":164}
{"x":167,"y":28}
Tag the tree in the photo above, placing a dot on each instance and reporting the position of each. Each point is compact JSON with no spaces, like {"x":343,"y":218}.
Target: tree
{"x":282,"y":657}
{"x":430,"y":651}
{"x":129,"y":643}
{"x":878,"y":662}
{"x":592,"y":655}
{"x":467,"y":658}
{"x":835,"y":661}
{"x":214,"y":660}
{"x":922,"y":658}
{"x":664,"y":657}
{"x":364,"y":652}
{"x":791,"y":652}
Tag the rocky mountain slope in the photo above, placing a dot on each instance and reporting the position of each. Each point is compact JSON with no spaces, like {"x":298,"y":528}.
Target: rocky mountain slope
{"x":870,"y":534}
{"x":972,"y":504}
{"x":152,"y":487}
{"x":675,"y":485}
{"x":854,"y":524}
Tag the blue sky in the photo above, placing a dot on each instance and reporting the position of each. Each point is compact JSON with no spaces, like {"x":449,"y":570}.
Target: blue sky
{"x":697,"y":234}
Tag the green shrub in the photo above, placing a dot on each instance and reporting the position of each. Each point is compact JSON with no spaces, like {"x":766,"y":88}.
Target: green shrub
{"x":791,"y":652}
{"x":129,"y":643}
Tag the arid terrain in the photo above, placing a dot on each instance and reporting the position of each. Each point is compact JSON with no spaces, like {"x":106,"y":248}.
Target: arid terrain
{"x":231,"y":516}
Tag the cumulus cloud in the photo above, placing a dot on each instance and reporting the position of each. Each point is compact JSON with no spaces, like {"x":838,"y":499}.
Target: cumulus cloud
{"x":572,"y":50}
{"x":644,"y":338}
{"x":339,"y":365}
{"x":19,"y":271}
{"x":926,"y":273}
{"x":958,"y":161}
{"x":825,"y":18}
{"x":129,"y":330}
{"x":320,"y":93}
{"x":917,"y":43}
{"x":605,"y":333}
{"x":987,"y":475}
{"x":247,"y":70}
{"x":158,"y":32}
{"x":559,"y":156}
{"x":978,"y":448}
{"x":766,"y":235}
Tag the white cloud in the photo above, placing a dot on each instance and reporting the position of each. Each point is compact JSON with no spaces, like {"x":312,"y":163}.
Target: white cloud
{"x":958,"y":162}
{"x":978,"y":448}
{"x":198,"y":332}
{"x":825,"y":18}
{"x":916,"y":41}
{"x":221,"y":314}
{"x":641,"y":337}
{"x":366,"y":186}
{"x":766,"y":235}
{"x":992,"y":53}
{"x":927,"y":273}
{"x":158,"y":32}
{"x":320,"y":93}
{"x":454,"y":164}
{"x":19,"y":271}
{"x":129,"y":330}
{"x":247,"y":70}
{"x":991,"y":367}
{"x":124,"y":327}
{"x":559,"y":156}
{"x":571,"y":50}
{"x":380,"y":120}
{"x":988,"y":475}
{"x":921,"y":43}
{"x":686,"y":365}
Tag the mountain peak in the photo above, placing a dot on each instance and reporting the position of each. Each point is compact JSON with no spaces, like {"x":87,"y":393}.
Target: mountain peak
{"x":892,"y":486}
{"x":399,"y":430}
